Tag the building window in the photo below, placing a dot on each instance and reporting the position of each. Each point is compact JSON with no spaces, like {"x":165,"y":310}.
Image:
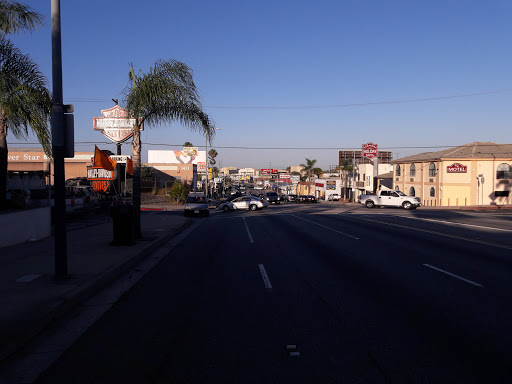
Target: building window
{"x":412,"y":171}
{"x":432,"y":171}
{"x":397,"y":188}
{"x":432,"y":192}
{"x":398,"y":169}
{"x":412,"y":192}
{"x":501,"y":193}
{"x":504,"y":171}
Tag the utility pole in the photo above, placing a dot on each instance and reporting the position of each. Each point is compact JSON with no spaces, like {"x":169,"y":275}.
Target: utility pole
{"x":58,"y":147}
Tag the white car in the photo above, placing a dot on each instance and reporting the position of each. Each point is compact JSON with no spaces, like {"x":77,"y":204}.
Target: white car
{"x":258,"y":187}
{"x":333,"y":197}
{"x":244,"y":202}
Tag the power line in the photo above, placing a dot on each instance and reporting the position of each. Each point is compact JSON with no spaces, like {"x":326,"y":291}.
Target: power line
{"x":417,"y":100}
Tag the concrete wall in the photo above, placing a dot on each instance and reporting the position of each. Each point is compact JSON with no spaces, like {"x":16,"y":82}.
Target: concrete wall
{"x":26,"y":225}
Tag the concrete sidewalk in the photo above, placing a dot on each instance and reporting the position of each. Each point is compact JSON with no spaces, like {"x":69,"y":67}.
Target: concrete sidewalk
{"x":31,"y":299}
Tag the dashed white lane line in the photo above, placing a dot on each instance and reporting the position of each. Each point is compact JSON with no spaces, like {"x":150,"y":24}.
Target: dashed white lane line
{"x":453,"y":275}
{"x":264,"y":275}
{"x":323,"y":226}
{"x":248,"y":231}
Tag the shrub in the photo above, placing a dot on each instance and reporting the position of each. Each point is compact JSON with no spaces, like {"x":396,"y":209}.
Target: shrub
{"x":178,"y":192}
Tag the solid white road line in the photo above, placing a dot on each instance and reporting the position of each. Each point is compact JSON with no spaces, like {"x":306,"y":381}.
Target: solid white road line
{"x":453,"y":275}
{"x":461,"y":224}
{"x":264,"y":275}
{"x":323,"y":226}
{"x":248,"y":231}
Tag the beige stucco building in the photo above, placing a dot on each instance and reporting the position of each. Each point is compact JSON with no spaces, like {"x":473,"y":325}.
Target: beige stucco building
{"x":478,"y":173}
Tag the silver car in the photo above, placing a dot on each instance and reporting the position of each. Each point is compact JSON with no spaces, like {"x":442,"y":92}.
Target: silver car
{"x":196,"y":204}
{"x":244,"y":202}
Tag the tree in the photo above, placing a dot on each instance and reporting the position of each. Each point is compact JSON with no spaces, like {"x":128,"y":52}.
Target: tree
{"x":16,"y":17}
{"x":307,"y":169}
{"x":212,"y":153}
{"x":147,"y":173}
{"x":345,"y":167}
{"x":165,"y":94}
{"x":25,"y":103}
{"x":188,"y":144}
{"x":317,"y":172}
{"x":178,"y":192}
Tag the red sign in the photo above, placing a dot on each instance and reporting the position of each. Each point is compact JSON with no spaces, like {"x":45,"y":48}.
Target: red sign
{"x":269,"y":171}
{"x":370,"y":150}
{"x":457,"y":168}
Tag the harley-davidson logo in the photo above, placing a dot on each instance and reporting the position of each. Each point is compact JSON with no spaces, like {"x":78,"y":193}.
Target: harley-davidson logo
{"x":457,"y":168}
{"x":370,"y":150}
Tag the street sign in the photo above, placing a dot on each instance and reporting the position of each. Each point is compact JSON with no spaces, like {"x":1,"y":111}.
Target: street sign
{"x":115,"y":124}
{"x":370,"y":150}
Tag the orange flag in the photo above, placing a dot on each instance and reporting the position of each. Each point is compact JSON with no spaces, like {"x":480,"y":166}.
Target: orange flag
{"x":103,"y":161}
{"x":129,"y":166}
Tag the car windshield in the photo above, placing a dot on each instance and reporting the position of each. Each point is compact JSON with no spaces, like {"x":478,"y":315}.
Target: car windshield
{"x":400,"y":193}
{"x":196,"y":199}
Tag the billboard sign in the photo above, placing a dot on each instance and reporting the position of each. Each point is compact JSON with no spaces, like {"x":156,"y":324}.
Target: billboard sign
{"x":370,"y":150}
{"x":269,"y":171}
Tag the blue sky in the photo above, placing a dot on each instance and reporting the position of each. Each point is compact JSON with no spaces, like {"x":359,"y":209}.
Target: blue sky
{"x":321,"y":75}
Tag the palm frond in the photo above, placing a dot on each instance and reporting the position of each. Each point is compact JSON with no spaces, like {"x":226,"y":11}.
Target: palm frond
{"x":16,"y":17}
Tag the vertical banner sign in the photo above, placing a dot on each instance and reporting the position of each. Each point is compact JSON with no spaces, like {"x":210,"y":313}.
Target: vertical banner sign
{"x":370,"y":150}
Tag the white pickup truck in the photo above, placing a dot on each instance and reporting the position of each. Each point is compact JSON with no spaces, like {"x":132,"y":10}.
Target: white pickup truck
{"x":388,"y":198}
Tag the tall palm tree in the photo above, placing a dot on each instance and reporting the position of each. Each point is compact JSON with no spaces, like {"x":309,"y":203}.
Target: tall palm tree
{"x":16,"y":17}
{"x":25,"y":103}
{"x":165,"y":94}
{"x":346,"y":166}
{"x":212,"y":153}
{"x":307,"y":168}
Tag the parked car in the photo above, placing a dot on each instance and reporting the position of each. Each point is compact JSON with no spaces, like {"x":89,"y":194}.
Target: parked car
{"x":306,"y":199}
{"x":244,"y":202}
{"x":258,"y":187}
{"x":291,"y":198}
{"x":333,"y":197}
{"x":196,"y":204}
{"x":272,"y":197}
{"x":283,"y":198}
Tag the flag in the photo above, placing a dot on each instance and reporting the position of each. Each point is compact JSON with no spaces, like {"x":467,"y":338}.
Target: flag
{"x":103,"y":161}
{"x":129,"y":166}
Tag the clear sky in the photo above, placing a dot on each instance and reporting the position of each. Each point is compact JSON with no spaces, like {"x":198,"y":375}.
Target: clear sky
{"x":315,"y":76}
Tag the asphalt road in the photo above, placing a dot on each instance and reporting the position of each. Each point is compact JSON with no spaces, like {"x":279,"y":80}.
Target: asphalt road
{"x":313,"y":294}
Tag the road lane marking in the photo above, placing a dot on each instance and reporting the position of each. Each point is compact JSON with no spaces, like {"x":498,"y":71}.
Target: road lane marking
{"x":461,"y":224}
{"x":264,"y":275}
{"x":323,"y":226}
{"x":454,"y":275}
{"x":435,"y":233}
{"x":248,"y":231}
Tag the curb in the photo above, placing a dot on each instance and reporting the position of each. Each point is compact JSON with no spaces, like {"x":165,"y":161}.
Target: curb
{"x":82,"y":292}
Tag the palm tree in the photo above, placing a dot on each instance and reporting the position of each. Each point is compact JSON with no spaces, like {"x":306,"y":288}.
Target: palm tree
{"x":317,"y":172}
{"x":308,"y":168}
{"x":345,"y":167}
{"x":188,"y":144}
{"x":25,"y":103}
{"x":16,"y":17}
{"x":212,"y":153}
{"x":165,"y":94}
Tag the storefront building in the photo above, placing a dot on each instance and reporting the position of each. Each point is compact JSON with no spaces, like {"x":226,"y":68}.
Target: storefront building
{"x":478,"y":173}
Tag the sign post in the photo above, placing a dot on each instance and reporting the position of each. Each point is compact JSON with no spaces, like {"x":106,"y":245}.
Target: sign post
{"x":371,"y":152}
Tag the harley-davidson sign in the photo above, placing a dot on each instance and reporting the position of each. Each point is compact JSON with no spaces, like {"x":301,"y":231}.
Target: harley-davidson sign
{"x":370,"y":150}
{"x":457,"y":168}
{"x":115,"y":124}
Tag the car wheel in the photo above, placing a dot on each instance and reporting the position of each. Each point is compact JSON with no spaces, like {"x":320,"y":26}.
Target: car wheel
{"x":370,"y":204}
{"x":253,"y":207}
{"x":407,"y":205}
{"x":225,"y":208}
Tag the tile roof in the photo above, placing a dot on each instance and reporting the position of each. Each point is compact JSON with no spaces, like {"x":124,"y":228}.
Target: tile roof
{"x":476,"y":150}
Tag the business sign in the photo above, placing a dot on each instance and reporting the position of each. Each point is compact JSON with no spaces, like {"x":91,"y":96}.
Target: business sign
{"x":98,"y":173}
{"x":331,"y":185}
{"x":370,"y":150}
{"x":269,"y":171}
{"x":115,"y":124}
{"x":456,"y":168}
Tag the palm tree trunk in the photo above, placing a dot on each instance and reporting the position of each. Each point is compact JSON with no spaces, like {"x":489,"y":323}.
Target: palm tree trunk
{"x":136,"y":151}
{"x":3,"y":161}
